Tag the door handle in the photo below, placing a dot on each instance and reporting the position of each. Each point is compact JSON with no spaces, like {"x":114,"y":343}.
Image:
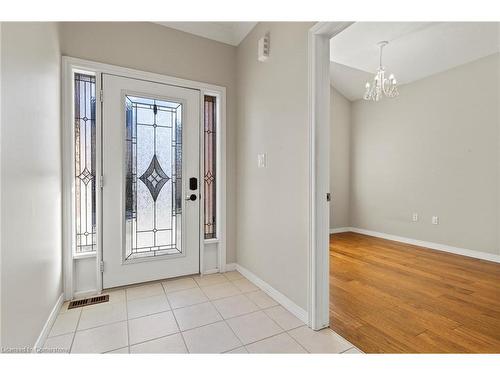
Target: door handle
{"x":191,"y":197}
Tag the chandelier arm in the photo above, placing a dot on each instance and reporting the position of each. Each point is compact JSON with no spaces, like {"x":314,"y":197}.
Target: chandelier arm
{"x":380,"y":59}
{"x":386,"y":87}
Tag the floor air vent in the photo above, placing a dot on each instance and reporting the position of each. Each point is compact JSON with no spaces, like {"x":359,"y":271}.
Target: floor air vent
{"x":88,"y":301}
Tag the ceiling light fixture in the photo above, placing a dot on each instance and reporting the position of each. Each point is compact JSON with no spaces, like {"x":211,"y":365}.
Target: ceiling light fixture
{"x":381,"y":85}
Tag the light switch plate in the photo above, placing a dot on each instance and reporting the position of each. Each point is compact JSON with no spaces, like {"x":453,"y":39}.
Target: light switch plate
{"x":262,"y":160}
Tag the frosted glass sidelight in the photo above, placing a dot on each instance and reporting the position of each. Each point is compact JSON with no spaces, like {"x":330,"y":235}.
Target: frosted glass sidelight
{"x":85,"y":164}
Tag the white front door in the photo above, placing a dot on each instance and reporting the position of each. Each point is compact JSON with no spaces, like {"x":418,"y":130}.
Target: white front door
{"x":151,"y":211}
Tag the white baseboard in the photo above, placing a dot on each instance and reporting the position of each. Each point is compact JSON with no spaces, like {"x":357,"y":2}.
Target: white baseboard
{"x":339,"y":230}
{"x":230,"y":267}
{"x":286,"y":302}
{"x":48,"y":324}
{"x":430,"y":245}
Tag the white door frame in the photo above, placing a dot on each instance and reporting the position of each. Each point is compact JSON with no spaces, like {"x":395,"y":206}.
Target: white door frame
{"x":319,"y":162}
{"x":69,"y":66}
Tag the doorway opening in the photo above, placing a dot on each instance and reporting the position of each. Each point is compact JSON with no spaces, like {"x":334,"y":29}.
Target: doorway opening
{"x":404,"y":155}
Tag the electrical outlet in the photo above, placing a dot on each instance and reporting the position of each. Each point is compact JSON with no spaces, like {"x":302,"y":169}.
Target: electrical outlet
{"x":414,"y":217}
{"x":435,"y":220}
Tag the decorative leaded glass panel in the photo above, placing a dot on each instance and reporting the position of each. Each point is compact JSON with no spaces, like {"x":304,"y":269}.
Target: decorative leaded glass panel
{"x":153,"y":205}
{"x":209,"y":167}
{"x":85,"y":163}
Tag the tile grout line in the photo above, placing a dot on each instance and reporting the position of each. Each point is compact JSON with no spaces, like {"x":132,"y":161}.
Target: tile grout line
{"x":297,"y":341}
{"x":155,"y":338}
{"x":275,"y":321}
{"x":342,"y":352}
{"x":234,"y":333}
{"x":75,"y":331}
{"x":103,"y":325}
{"x":192,"y":304}
{"x":149,"y":314}
{"x":224,"y":320}
{"x":128,"y":325}
{"x":265,"y":338}
{"x":342,"y":337}
{"x":217,"y":311}
{"x":239,"y":347}
{"x":215,"y":283}
{"x":277,"y":334}
{"x":163,"y":287}
{"x":231,"y":328}
{"x":178,"y":290}
{"x":241,"y":292}
{"x":175,"y":319}
{"x":287,"y":330}
{"x":112,"y":350}
{"x":236,"y":316}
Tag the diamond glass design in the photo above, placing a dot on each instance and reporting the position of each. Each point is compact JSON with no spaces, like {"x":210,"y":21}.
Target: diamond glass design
{"x":209,"y":178}
{"x":85,"y":176}
{"x":154,"y":178}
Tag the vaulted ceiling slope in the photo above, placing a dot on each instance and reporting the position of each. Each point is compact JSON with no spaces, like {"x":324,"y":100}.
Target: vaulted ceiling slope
{"x":416,"y":50}
{"x":225,"y":32}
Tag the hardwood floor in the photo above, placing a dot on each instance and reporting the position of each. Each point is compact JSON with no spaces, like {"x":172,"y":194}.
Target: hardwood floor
{"x":390,"y":297}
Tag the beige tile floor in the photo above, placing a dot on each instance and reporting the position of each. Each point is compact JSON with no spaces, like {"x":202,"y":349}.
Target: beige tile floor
{"x":218,"y":313}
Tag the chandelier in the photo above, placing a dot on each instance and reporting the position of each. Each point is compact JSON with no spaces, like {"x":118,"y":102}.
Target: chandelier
{"x":381,"y":85}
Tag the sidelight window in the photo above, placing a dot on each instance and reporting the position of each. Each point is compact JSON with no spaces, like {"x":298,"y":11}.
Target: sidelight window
{"x":85,"y":163}
{"x":210,"y":153}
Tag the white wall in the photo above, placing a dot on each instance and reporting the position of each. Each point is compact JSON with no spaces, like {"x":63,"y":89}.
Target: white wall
{"x":272,"y":205}
{"x":340,"y":138}
{"x":433,"y":150}
{"x":31,"y":179}
{"x":158,"y":49}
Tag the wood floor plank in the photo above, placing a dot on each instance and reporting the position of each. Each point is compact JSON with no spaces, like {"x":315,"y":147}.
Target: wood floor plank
{"x":390,"y":297}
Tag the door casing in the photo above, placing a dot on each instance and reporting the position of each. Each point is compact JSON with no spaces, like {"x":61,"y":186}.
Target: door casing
{"x":70,"y":65}
{"x":319,"y":172}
